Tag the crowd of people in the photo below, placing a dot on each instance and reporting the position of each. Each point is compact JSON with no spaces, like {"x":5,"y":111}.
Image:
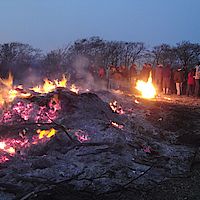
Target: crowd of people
{"x":168,"y":80}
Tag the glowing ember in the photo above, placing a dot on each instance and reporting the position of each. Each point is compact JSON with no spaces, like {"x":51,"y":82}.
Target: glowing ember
{"x":9,"y":147}
{"x":146,"y":88}
{"x":46,"y":133}
{"x":23,"y":110}
{"x":3,"y":159}
{"x":167,"y":98}
{"x":74,"y":89}
{"x":81,"y":136}
{"x":116,"y":108}
{"x":32,"y":112}
{"x":116,"y":125}
{"x":54,"y":106}
{"x":2,"y":145}
{"x":50,"y":86}
{"x":136,"y":101}
{"x":117,"y":91}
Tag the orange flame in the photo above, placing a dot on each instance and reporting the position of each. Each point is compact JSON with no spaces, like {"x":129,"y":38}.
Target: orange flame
{"x":74,"y":89}
{"x":5,"y":86}
{"x":46,"y":133}
{"x":8,"y":92}
{"x":7,"y":82}
{"x":147,"y":89}
{"x":50,"y":86}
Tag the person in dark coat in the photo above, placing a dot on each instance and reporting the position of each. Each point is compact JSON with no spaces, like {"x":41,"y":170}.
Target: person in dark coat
{"x":178,"y":79}
{"x":159,"y":76}
{"x":133,"y":71}
{"x":166,"y":79}
{"x":111,"y":71}
{"x":132,"y":76}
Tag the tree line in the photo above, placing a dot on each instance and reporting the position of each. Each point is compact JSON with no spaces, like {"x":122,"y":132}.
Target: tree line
{"x":23,"y":59}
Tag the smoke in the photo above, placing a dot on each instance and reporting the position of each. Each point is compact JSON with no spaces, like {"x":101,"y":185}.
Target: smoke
{"x":86,"y":74}
{"x":83,"y":73}
{"x":32,"y":77}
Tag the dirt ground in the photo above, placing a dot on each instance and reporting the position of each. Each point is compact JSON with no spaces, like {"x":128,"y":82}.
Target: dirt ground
{"x":182,"y":116}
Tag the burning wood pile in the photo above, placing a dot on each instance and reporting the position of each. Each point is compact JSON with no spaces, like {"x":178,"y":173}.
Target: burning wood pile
{"x":55,"y":141}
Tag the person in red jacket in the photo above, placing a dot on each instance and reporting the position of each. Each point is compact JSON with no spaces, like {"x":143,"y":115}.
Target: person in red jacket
{"x":190,"y":83}
{"x":101,"y":73}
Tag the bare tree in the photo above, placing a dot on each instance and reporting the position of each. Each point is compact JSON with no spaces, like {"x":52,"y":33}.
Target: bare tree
{"x":17,"y":58}
{"x":164,"y":54}
{"x":188,"y":53}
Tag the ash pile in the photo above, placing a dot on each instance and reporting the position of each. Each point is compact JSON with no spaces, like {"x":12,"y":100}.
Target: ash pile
{"x":64,"y":145}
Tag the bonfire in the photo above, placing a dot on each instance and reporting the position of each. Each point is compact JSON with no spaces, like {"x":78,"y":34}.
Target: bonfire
{"x":146,"y":89}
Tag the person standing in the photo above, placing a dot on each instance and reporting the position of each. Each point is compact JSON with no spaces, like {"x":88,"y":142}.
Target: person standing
{"x":133,"y":76}
{"x":159,"y":76}
{"x":197,"y":78}
{"x":166,"y":79}
{"x":144,"y":73}
{"x":190,"y":83}
{"x":101,"y":73}
{"x":110,"y":75}
{"x":178,"y":79}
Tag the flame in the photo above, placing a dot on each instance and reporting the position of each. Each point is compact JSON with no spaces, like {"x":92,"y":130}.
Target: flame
{"x":7,"y":82}
{"x":61,"y":83}
{"x":50,"y":86}
{"x":8,"y":92}
{"x":46,"y":133}
{"x":74,"y":89}
{"x":147,"y":89}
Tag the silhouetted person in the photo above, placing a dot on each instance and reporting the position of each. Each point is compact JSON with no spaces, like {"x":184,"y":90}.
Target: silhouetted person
{"x":190,"y":83}
{"x":197,"y":78}
{"x":132,"y":76}
{"x":144,"y":73}
{"x":166,"y":79}
{"x":159,"y":76}
{"x":178,"y":79}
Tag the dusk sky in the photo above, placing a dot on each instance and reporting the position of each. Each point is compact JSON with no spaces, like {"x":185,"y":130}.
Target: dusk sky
{"x":50,"y":24}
